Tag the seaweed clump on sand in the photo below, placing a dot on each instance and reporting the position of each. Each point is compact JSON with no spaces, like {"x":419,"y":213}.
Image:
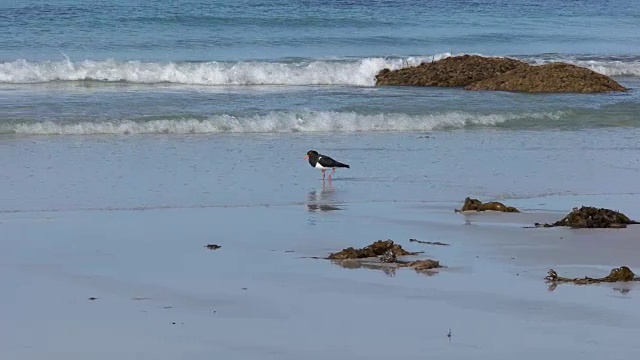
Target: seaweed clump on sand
{"x":591,"y":217}
{"x":620,"y":274}
{"x":378,"y":248}
{"x":477,"y":205}
{"x":386,"y":252}
{"x":428,"y":242}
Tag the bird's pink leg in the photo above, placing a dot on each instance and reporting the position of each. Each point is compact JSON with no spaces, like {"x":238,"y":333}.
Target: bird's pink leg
{"x":323,"y":174}
{"x":331,"y":174}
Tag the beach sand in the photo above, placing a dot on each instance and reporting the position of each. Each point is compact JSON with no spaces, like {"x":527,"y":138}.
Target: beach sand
{"x":161,"y":294}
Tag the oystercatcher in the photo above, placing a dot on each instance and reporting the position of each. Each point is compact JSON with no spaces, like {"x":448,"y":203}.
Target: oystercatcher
{"x":323,"y":162}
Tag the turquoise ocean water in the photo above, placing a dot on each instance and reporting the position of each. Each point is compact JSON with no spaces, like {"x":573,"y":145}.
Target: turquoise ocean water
{"x":119,"y":67}
{"x":117,"y":104}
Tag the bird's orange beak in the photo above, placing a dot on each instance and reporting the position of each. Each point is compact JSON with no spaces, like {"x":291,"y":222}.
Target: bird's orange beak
{"x":306,"y":157}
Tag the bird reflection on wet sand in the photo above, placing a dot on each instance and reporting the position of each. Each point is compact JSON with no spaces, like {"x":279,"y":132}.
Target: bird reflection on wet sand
{"x":323,"y":201}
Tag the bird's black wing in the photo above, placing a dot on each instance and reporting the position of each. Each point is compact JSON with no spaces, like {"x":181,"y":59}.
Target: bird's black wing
{"x":326,"y":161}
{"x":329,"y":162}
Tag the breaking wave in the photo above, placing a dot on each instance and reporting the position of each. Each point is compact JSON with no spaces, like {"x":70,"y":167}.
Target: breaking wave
{"x":360,"y":72}
{"x":285,"y":122}
{"x":610,"y":66}
{"x":355,"y":72}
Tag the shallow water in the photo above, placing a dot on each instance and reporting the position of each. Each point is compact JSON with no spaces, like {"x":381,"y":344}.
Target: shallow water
{"x":152,"y":171}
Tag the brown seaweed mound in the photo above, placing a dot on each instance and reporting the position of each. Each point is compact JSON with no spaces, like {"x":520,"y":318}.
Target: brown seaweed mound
{"x":620,"y":274}
{"x":387,"y":252}
{"x":378,"y":248}
{"x":455,"y":71}
{"x":591,"y":217}
{"x":503,"y":74}
{"x":549,"y":78}
{"x":477,"y":205}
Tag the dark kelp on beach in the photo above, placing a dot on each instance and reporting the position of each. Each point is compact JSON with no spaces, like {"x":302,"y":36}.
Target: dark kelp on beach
{"x":477,"y":205}
{"x":428,"y":242}
{"x":385,"y":252}
{"x":376,"y":249}
{"x":620,"y":274}
{"x":591,"y":217}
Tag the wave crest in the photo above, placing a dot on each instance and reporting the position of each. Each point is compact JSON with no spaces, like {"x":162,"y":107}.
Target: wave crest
{"x":354,"y":72}
{"x":606,"y":66}
{"x":276,"y":123}
{"x":359,"y":72}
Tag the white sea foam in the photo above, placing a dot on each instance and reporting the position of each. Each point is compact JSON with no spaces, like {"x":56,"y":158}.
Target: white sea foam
{"x":612,"y":68}
{"x":358,"y":72}
{"x":606,"y":67}
{"x":355,"y":72}
{"x":277,"y":123}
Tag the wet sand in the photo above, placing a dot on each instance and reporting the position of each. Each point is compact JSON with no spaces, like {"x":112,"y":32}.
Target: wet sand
{"x":160,"y":294}
{"x":125,"y":220}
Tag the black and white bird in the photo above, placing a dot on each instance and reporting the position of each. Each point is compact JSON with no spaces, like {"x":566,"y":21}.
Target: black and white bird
{"x":323,"y":162}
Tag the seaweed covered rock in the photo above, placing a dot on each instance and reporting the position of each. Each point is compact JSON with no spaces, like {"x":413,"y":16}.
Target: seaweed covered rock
{"x":378,"y":248}
{"x":477,"y":205}
{"x":549,"y":78}
{"x":620,"y":274}
{"x":591,"y":217}
{"x":475,"y":72}
{"x":457,"y":71}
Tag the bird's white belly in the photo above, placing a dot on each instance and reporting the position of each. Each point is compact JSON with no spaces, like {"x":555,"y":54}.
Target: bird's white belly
{"x":318,"y":166}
